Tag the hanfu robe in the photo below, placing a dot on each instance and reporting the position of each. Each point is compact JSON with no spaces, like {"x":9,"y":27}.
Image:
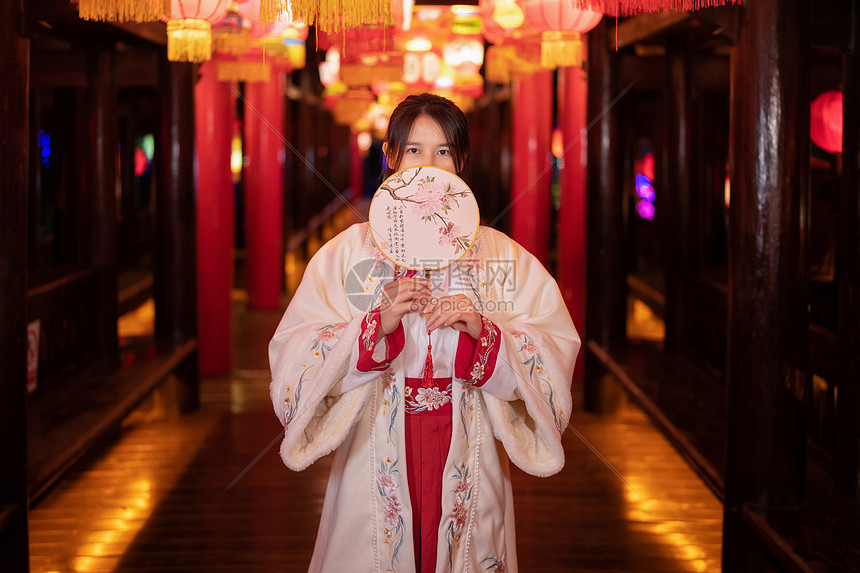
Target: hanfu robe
{"x":337,"y":385}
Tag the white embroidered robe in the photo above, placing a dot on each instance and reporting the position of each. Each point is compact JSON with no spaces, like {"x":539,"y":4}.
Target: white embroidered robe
{"x":326,"y":404}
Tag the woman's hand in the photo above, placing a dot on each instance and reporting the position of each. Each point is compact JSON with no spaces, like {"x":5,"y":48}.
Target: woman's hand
{"x":456,"y":311}
{"x":409,"y":294}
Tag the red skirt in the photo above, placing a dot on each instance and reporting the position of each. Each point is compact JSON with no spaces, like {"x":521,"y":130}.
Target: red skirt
{"x":428,"y":438}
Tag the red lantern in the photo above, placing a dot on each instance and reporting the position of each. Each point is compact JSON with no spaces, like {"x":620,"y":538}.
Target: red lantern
{"x":561,"y":25}
{"x":500,"y":18}
{"x":825,"y":121}
{"x":189,"y":30}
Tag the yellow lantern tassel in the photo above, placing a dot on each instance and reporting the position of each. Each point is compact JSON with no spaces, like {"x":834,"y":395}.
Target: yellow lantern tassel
{"x":560,"y":49}
{"x":123,"y":10}
{"x":497,"y":67}
{"x":330,"y":15}
{"x":189,"y":40}
{"x":232,"y":41}
{"x":274,"y":11}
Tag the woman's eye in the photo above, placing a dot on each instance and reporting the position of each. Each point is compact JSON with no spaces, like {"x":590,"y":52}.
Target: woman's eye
{"x":412,"y":150}
{"x":444,"y":152}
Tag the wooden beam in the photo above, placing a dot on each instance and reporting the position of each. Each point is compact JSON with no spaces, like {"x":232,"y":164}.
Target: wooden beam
{"x":14,"y":162}
{"x":66,"y":69}
{"x":766,"y":370}
{"x":175,"y":285}
{"x":675,"y":207}
{"x":104,"y":140}
{"x":155,"y":32}
{"x":642,"y":27}
{"x":137,"y":68}
{"x":847,"y":425}
{"x":606,"y":286}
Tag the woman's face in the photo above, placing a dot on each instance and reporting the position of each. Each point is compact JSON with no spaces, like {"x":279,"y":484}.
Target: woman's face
{"x":426,"y":146}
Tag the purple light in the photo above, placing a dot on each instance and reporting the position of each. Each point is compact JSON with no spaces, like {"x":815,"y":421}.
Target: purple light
{"x":645,"y":209}
{"x":644,"y":189}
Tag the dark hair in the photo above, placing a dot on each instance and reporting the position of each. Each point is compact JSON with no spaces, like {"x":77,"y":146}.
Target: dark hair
{"x":443,"y":111}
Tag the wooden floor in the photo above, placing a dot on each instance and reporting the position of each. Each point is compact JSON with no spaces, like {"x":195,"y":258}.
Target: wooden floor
{"x":155,"y":500}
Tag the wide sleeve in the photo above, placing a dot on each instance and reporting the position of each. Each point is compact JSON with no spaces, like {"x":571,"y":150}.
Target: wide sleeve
{"x":310,"y":354}
{"x":528,"y":395}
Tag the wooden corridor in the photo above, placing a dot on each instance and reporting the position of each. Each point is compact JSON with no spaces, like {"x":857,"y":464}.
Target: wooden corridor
{"x":155,"y":499}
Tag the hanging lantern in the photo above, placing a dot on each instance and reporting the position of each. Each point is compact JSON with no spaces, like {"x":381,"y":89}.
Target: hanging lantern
{"x":560,"y":24}
{"x":250,"y":67}
{"x":500,"y":18}
{"x":464,"y":54}
{"x":232,"y":35}
{"x":420,"y":69}
{"x":825,"y":121}
{"x":189,"y":30}
{"x":352,"y":106}
{"x":329,"y":15}
{"x":123,"y":10}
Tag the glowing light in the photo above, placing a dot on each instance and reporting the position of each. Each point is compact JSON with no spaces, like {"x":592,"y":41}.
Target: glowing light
{"x":644,"y":190}
{"x":557,"y":145}
{"x":464,"y":10}
{"x":645,"y":209}
{"x":330,"y":68}
{"x":236,"y":155}
{"x":464,"y":54}
{"x":508,"y":15}
{"x":418,"y":45}
{"x":364,"y":141}
{"x":444,"y":81}
{"x":147,"y":144}
{"x":825,"y":121}
{"x":140,"y":162}
{"x":44,"y":142}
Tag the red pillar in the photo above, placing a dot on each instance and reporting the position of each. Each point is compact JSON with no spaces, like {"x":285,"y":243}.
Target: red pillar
{"x":264,"y":198}
{"x":215,"y":221}
{"x":531,"y":175}
{"x":573,"y":98}
{"x":356,"y":167}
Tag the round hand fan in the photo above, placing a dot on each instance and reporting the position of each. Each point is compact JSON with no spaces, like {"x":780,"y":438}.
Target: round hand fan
{"x":424,"y":218}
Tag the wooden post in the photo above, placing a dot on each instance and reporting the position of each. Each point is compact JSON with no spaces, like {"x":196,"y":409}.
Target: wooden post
{"x":769,"y":103}
{"x":847,"y":425}
{"x":606,"y":281}
{"x":14,"y":162}
{"x":104,"y":150}
{"x":675,"y":191}
{"x":215,"y":220}
{"x":532,"y":178}
{"x":264,"y":192}
{"x":573,"y":100}
{"x":176,"y":236}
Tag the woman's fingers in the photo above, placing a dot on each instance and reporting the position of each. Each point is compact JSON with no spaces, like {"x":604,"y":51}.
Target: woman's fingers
{"x":401,"y":296}
{"x":406,"y":290}
{"x":456,"y":311}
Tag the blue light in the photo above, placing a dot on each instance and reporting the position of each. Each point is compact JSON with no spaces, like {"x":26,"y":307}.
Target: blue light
{"x":44,"y":142}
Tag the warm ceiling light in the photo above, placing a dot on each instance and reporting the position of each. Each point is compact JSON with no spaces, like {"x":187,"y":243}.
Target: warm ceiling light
{"x":418,"y":45}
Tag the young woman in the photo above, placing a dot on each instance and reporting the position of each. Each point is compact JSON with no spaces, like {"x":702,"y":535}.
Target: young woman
{"x":420,"y":479}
